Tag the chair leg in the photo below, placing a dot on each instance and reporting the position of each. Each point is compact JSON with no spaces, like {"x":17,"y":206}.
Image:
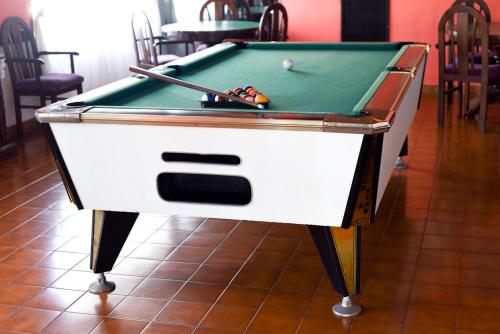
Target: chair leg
{"x":79,"y":90}
{"x":467,"y":97}
{"x":19,"y":116}
{"x":483,"y":108}
{"x":441,"y":106}
{"x":450,"y":92}
{"x":460,"y":92}
{"x":53,"y":99}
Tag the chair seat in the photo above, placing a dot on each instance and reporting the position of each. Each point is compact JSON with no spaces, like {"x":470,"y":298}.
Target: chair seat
{"x":492,"y":57}
{"x":163,"y":59}
{"x":493,"y":71}
{"x":202,"y":47}
{"x":52,"y":84}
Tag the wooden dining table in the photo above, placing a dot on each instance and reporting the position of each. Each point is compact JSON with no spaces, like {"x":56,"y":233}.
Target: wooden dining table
{"x":211,"y":31}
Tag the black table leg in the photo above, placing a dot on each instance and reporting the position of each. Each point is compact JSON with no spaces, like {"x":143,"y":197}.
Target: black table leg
{"x":109,"y":232}
{"x":339,"y":249}
{"x":400,"y":164}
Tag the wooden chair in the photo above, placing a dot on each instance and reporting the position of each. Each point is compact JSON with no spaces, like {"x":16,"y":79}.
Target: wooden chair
{"x":478,"y":5}
{"x":222,"y":10}
{"x":147,"y":47}
{"x":243,"y":9}
{"x":269,"y":2}
{"x":7,"y":149}
{"x":482,"y":7}
{"x":261,"y":2}
{"x":25,"y":69}
{"x":274,"y":23}
{"x":216,"y":10}
{"x":462,"y":39}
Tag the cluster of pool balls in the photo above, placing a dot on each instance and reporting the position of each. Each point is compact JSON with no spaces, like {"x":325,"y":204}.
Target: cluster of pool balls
{"x":248,"y":93}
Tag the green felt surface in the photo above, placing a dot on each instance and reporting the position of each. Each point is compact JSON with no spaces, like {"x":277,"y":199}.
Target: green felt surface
{"x":326,"y":78}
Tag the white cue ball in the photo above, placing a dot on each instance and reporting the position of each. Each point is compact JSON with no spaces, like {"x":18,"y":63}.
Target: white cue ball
{"x":288,"y":64}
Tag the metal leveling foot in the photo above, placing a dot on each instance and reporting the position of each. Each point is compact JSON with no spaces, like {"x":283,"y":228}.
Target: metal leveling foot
{"x":400,"y":164}
{"x":102,"y":285}
{"x":347,"y":308}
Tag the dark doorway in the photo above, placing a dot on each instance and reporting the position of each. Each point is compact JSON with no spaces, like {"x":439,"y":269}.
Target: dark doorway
{"x":365,"y":20}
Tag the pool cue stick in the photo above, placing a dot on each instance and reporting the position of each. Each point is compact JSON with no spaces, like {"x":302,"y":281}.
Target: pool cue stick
{"x":192,"y":86}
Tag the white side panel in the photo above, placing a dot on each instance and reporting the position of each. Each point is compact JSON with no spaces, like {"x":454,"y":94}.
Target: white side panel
{"x":394,"y":139}
{"x":296,"y":177}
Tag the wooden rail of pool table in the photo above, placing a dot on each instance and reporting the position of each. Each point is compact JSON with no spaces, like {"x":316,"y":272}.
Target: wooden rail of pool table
{"x":377,"y":118}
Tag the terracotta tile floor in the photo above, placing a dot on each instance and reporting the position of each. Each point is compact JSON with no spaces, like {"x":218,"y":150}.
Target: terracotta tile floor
{"x":430,"y":264}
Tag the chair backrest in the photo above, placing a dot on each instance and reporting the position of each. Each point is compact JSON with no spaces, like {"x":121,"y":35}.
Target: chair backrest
{"x":216,"y":10}
{"x":274,"y":23}
{"x":145,"y":51}
{"x":463,"y":45}
{"x":479,"y":5}
{"x":243,"y":9}
{"x":19,"y":44}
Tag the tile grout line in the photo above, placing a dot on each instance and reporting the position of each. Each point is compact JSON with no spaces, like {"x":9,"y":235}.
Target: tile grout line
{"x":428,"y":209}
{"x":407,"y":304}
{"x":234,"y":276}
{"x":401,"y":177}
{"x":24,"y":203}
{"x":29,"y":184}
{"x":318,"y":288}
{"x":29,"y":170}
{"x":143,"y":278}
{"x":103,"y":317}
{"x":66,"y":272}
{"x":171,"y":298}
{"x":292,"y":255}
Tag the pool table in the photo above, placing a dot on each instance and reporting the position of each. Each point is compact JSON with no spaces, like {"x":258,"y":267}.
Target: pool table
{"x":321,"y":154}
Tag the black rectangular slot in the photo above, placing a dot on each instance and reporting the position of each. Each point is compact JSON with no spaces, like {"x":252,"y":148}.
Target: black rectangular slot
{"x":204,"y":188}
{"x":365,"y":20}
{"x":218,"y":159}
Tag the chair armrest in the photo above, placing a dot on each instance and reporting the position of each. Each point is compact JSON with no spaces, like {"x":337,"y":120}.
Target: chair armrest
{"x":38,"y":61}
{"x":159,"y":44}
{"x":71,"y":54}
{"x":167,"y":42}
